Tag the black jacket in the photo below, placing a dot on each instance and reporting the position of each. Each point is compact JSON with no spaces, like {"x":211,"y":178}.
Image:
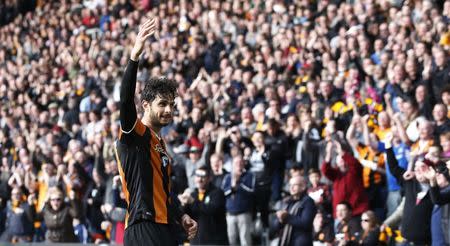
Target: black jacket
{"x":416,"y":221}
{"x":310,"y":146}
{"x":210,"y":216}
{"x":371,"y":239}
{"x":264,"y":177}
{"x":301,"y":221}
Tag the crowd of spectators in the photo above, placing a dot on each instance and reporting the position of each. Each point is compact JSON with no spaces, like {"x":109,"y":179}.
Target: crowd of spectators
{"x":296,"y":121}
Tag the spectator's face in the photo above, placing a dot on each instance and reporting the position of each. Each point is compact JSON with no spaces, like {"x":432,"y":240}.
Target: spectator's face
{"x":56,"y":199}
{"x":439,"y":112}
{"x":196,"y":114}
{"x":341,"y":163}
{"x":314,"y":179}
{"x":49,"y":169}
{"x":201,"y":181}
{"x":311,"y":88}
{"x":16,"y":194}
{"x":292,"y":121}
{"x":246,"y":115}
{"x":216,"y":163}
{"x":425,"y":130}
{"x":445,"y":143}
{"x":420,"y":93}
{"x":235,"y":134}
{"x":378,"y":45}
{"x":258,"y":139}
{"x":297,"y":185}
{"x":326,"y":88}
{"x":365,"y":222}
{"x":159,"y":111}
{"x":194,"y":155}
{"x":410,"y":67}
{"x":419,"y":169}
{"x":342,"y":212}
{"x":238,"y":164}
{"x":274,"y":105}
{"x":398,"y":73}
{"x":408,"y":109}
{"x":440,"y":59}
{"x":383,"y":119}
{"x":420,"y":49}
{"x":446,"y":98}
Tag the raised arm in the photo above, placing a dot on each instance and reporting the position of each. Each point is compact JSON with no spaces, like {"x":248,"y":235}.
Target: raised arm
{"x":330,"y":172}
{"x":350,"y":136}
{"x":401,"y":129}
{"x":128,"y":114}
{"x":366,"y":134}
{"x":395,"y":169}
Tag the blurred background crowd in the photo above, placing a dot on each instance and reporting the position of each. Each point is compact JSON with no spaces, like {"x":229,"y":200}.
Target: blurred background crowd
{"x":296,"y":121}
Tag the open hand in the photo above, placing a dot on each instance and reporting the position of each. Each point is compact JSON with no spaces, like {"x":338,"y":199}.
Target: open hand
{"x":148,"y":29}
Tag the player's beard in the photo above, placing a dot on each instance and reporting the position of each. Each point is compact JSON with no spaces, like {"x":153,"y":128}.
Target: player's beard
{"x":157,"y":121}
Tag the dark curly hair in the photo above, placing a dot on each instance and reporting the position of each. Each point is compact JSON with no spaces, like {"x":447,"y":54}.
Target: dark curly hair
{"x":162,"y":86}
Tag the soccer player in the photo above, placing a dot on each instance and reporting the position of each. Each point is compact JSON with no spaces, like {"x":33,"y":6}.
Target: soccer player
{"x":143,"y":162}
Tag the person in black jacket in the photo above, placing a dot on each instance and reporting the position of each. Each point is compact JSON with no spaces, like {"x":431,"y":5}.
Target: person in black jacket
{"x":206,"y":205}
{"x":94,"y":198}
{"x":416,"y":222}
{"x":440,"y":196}
{"x":296,"y":218}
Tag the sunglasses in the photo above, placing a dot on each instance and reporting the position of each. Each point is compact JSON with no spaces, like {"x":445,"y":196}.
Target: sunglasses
{"x":56,"y":199}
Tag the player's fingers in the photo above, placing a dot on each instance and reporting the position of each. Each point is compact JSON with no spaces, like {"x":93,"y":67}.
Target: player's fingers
{"x":148,"y":29}
{"x":148,"y":22}
{"x":152,"y":27}
{"x":145,"y":26}
{"x":148,"y":35}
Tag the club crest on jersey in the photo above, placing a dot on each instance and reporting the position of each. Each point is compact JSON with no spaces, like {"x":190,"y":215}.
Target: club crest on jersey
{"x":165,"y":161}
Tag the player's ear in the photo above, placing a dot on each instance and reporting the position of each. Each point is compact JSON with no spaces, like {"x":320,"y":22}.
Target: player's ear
{"x":146,"y":104}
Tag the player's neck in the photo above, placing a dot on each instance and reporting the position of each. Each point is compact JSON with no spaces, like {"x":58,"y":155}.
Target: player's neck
{"x":155,"y":129}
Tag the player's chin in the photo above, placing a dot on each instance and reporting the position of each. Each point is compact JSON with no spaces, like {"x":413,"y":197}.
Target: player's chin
{"x":164,"y":121}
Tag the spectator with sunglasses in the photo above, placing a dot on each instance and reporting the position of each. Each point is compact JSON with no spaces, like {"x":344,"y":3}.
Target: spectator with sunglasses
{"x":58,"y":216}
{"x":370,"y":230}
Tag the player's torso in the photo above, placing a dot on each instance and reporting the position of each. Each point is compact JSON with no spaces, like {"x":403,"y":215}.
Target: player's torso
{"x":144,"y":166}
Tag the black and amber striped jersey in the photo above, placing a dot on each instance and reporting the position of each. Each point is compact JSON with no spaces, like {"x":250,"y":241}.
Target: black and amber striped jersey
{"x":144,"y":167}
